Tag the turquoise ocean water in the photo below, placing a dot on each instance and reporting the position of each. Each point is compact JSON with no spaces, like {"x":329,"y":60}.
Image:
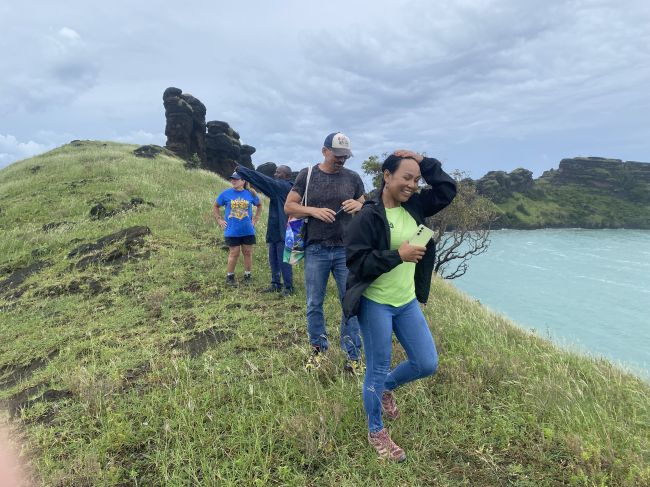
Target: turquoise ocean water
{"x":588,"y":290}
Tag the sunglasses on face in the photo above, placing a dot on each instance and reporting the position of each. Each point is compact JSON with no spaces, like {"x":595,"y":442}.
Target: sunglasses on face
{"x":340,"y":158}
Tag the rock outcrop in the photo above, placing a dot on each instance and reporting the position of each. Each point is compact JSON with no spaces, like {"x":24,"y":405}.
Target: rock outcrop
{"x":224,"y":149}
{"x":601,"y":173}
{"x":219,"y":150}
{"x":185,"y":128}
{"x":499,"y":185}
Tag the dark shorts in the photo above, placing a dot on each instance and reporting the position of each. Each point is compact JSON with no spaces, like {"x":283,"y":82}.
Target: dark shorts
{"x":237,"y":241}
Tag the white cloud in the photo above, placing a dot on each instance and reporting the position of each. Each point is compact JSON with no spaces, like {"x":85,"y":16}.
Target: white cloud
{"x":141,"y":137}
{"x":486,"y":83}
{"x":11,"y":149}
{"x":69,"y":34}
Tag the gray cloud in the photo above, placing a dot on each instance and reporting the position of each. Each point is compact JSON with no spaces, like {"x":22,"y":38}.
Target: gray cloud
{"x":481,"y":84}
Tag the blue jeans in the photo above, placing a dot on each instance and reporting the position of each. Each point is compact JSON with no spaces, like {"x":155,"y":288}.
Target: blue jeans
{"x":377,"y":322}
{"x":279,"y":267}
{"x":319,"y":262}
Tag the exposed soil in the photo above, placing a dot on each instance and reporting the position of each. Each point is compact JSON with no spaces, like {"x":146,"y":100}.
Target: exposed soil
{"x":17,"y":372}
{"x":19,"y":275}
{"x":202,"y":340}
{"x":22,"y":400}
{"x":88,"y":286}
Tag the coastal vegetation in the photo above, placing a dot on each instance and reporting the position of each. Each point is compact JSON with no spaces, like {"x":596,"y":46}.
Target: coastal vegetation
{"x":584,"y":192}
{"x":125,"y":359}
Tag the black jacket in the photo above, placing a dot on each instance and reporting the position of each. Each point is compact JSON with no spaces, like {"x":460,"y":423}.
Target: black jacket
{"x":368,"y":237}
{"x":277,"y":191}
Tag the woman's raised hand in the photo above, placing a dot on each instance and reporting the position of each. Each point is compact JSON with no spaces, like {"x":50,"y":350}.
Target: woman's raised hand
{"x":409,"y":154}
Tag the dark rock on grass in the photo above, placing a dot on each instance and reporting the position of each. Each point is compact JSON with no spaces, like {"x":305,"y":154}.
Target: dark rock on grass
{"x":131,"y":239}
{"x":99,"y":211}
{"x":15,"y":373}
{"x":131,"y":234}
{"x":151,"y":151}
{"x":114,"y":257}
{"x":19,"y":275}
{"x":53,"y":225}
{"x":203,"y":340}
{"x":88,"y":286}
{"x":35,"y":169}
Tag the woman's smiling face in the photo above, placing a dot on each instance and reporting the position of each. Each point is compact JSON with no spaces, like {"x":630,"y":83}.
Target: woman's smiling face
{"x":404,"y":181}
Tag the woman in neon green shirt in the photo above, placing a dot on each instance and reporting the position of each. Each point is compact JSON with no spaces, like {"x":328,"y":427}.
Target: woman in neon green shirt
{"x":388,"y":276}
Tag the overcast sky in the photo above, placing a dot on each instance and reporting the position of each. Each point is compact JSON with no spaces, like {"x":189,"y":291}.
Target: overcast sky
{"x":479,"y":84}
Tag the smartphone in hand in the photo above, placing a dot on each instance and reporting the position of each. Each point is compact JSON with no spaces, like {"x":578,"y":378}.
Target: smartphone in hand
{"x":422,"y":236}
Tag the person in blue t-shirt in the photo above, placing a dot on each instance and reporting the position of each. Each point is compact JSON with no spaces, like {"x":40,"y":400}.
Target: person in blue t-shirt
{"x":239,"y":225}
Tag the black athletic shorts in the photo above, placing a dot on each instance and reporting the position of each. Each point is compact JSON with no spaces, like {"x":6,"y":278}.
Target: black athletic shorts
{"x":237,"y":241}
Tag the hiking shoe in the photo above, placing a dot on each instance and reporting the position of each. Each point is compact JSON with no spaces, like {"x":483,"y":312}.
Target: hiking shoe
{"x":315,"y":359}
{"x":388,"y":405}
{"x":230,"y":281}
{"x":272,"y":289}
{"x":386,"y":448}
{"x":354,"y":367}
{"x":248,"y":278}
{"x":287,"y":291}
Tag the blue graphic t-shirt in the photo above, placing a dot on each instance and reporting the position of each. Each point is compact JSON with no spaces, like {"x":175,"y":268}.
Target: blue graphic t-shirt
{"x":239,"y":212}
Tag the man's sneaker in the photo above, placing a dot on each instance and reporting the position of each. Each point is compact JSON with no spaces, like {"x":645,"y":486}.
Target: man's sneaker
{"x":287,"y":291}
{"x":386,"y":448}
{"x":389,"y":405}
{"x":272,"y":289}
{"x":230,"y":281}
{"x":248,"y":278}
{"x":354,"y":367}
{"x":315,"y":359}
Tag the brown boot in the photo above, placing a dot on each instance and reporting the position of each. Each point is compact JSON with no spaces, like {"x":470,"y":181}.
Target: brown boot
{"x":386,"y":448}
{"x":389,"y":405}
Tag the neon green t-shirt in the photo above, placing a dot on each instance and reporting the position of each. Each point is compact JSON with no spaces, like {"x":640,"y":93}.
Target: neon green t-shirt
{"x":397,"y":286}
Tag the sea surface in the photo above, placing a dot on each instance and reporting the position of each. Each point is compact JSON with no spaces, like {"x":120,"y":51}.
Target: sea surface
{"x":587,"y":290}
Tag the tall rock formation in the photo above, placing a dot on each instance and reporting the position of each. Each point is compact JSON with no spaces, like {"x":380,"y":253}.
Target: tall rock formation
{"x":220,"y":150}
{"x":185,"y":128}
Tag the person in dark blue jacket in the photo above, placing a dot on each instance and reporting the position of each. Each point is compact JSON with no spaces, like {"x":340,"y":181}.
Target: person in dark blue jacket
{"x":276,"y":189}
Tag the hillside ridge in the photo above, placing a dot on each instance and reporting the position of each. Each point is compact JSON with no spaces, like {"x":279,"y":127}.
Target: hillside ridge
{"x":126,"y":360}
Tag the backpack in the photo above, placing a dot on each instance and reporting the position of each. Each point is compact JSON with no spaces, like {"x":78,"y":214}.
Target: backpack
{"x":296,"y":232}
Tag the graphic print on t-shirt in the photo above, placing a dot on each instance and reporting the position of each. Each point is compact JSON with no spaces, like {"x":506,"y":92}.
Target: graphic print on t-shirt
{"x":239,"y":208}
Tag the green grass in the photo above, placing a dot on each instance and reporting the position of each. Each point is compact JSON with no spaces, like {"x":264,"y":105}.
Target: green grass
{"x":140,"y":408}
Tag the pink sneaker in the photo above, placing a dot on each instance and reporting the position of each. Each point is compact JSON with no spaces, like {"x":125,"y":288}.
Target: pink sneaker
{"x":386,"y":448}
{"x":389,"y":405}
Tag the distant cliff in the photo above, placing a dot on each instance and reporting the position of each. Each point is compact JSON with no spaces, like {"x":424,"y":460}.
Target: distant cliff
{"x":584,"y":192}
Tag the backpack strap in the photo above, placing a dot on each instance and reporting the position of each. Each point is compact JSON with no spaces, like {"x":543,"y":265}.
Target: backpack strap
{"x":303,"y":202}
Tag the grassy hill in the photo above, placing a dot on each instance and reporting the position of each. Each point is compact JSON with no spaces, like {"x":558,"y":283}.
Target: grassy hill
{"x":125,"y":360}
